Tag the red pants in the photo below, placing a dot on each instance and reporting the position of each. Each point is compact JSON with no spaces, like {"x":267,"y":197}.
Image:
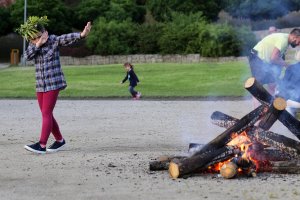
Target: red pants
{"x":47,"y":102}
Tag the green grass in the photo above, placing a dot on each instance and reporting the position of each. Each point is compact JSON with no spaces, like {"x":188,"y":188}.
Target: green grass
{"x":157,"y":80}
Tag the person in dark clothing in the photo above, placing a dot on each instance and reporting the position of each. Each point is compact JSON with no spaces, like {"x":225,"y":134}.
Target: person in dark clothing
{"x":133,"y":81}
{"x":288,"y":87}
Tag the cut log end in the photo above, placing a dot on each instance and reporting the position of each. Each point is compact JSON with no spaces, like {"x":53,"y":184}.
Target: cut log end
{"x":250,"y":82}
{"x":279,"y":103}
{"x":174,"y":170}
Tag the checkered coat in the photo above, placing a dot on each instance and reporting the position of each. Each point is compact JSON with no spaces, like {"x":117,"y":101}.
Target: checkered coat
{"x":48,"y":73}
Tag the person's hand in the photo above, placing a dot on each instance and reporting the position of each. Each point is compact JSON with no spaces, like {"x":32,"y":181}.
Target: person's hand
{"x":42,"y":40}
{"x":86,"y":30}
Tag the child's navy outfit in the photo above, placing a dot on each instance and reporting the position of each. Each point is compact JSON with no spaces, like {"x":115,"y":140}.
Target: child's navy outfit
{"x":133,"y":80}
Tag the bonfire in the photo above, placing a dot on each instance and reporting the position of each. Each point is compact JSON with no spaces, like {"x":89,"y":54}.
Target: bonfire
{"x":246,"y":147}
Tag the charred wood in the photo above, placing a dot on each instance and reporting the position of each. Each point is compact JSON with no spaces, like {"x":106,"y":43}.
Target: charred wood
{"x":261,"y":94}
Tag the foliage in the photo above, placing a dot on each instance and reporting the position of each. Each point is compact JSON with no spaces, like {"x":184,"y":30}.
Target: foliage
{"x":60,"y":16}
{"x":259,"y":10}
{"x":178,"y":35}
{"x":119,"y":10}
{"x":162,"y":9}
{"x":246,"y":39}
{"x":112,"y":37}
{"x":5,"y":25}
{"x":32,"y":26}
{"x":90,"y":10}
{"x":147,"y":38}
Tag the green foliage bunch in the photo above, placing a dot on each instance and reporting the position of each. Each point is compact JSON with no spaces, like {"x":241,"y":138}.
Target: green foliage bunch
{"x":32,"y":26}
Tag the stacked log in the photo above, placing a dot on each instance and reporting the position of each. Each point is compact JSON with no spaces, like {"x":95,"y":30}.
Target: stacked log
{"x":283,"y":158}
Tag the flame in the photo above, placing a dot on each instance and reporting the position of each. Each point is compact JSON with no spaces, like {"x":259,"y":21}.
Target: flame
{"x":248,"y":160}
{"x":238,"y":140}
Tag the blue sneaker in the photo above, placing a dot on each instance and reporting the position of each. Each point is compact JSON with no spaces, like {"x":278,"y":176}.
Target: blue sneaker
{"x":36,"y":148}
{"x":56,"y":146}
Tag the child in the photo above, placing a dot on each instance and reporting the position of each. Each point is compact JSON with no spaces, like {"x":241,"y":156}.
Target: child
{"x":133,"y":80}
{"x":44,"y":50}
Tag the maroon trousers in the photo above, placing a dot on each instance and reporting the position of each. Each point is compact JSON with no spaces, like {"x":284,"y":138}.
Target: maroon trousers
{"x":47,"y":102}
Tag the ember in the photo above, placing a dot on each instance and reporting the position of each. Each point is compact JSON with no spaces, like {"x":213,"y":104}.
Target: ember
{"x":246,"y":146}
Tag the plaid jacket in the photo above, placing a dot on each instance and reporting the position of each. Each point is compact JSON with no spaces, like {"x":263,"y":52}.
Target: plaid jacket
{"x":48,"y":72}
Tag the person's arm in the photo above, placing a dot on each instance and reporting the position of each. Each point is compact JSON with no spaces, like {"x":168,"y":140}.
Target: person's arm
{"x":67,"y":39}
{"x":125,"y":79}
{"x":31,"y":51}
{"x":276,"y":58}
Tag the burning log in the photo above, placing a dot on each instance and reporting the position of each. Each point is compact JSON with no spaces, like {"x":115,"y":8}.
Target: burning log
{"x":287,"y":145}
{"x":200,"y":161}
{"x":261,"y":94}
{"x":162,"y":163}
{"x":281,"y":142}
{"x":229,"y":170}
{"x":242,"y":124}
{"x":289,"y":167}
{"x":275,"y":109}
{"x":222,"y":120}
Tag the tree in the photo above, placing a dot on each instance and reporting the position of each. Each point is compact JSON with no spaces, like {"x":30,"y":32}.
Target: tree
{"x":120,"y":10}
{"x":162,"y":9}
{"x":59,"y":15}
{"x":178,"y":36}
{"x":5,"y":25}
{"x":90,"y":10}
{"x":259,"y":10}
{"x":112,"y":37}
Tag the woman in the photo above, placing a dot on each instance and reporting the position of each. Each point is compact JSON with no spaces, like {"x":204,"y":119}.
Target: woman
{"x":44,"y":50}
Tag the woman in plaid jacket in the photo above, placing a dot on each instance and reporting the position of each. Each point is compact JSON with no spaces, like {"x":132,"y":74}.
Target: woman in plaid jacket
{"x":44,"y":50}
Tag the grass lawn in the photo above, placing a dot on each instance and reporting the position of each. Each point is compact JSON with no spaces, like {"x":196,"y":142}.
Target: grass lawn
{"x":157,"y":80}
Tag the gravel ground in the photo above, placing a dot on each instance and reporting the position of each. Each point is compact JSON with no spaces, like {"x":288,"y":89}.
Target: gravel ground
{"x":110,"y":144}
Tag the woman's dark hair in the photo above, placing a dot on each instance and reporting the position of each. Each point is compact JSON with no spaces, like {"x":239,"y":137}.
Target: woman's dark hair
{"x":40,"y":28}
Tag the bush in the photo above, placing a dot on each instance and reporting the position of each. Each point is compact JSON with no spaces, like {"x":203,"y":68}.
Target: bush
{"x":178,"y":35}
{"x":246,"y":39}
{"x":112,"y":37}
{"x":59,"y":15}
{"x":219,"y":40}
{"x":5,"y":25}
{"x":147,"y":38}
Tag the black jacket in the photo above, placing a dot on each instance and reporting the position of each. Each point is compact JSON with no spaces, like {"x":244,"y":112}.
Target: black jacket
{"x":133,"y":79}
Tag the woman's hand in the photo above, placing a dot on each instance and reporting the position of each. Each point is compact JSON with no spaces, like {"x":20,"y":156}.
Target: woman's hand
{"x":42,"y":40}
{"x":86,"y":30}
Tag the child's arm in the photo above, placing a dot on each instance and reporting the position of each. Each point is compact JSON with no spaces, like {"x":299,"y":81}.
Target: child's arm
{"x":125,"y":79}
